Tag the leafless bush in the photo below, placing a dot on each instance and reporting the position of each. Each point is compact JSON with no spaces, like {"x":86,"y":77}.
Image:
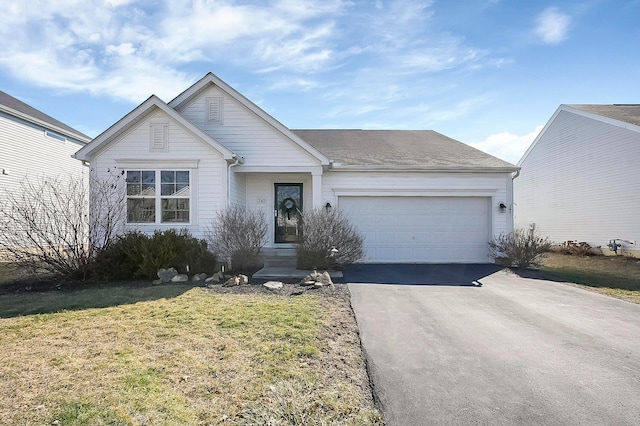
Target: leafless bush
{"x":574,"y":248}
{"x":237,"y":237}
{"x":47,"y":226}
{"x":329,"y":241}
{"x":521,"y":248}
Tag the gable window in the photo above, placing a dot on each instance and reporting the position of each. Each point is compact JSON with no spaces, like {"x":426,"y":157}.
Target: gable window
{"x":158,"y":196}
{"x":215,"y":110}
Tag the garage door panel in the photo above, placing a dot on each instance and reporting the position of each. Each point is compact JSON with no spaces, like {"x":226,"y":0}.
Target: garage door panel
{"x":421,"y":229}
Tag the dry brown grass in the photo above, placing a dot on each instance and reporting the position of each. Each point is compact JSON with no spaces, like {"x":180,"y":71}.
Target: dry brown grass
{"x":196,"y":358}
{"x":617,"y":276}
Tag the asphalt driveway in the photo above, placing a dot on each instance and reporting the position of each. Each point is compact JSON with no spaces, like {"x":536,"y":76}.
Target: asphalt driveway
{"x":474,"y":345}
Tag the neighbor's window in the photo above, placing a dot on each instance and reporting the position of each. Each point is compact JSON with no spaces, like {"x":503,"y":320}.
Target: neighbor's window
{"x":164,"y":191}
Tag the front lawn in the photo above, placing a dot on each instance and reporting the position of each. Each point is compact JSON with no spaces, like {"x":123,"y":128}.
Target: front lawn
{"x":616,"y":276}
{"x":176,"y":355}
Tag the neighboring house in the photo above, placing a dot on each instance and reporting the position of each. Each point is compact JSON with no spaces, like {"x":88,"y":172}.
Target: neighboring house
{"x":580,"y":179}
{"x":34,"y":145}
{"x":417,"y":196}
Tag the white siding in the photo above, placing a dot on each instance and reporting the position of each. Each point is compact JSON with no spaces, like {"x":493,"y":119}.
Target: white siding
{"x":422,"y":184}
{"x":261,"y":194}
{"x":209,"y":179}
{"x":246,"y":134}
{"x":581,"y":181}
{"x":25,"y":151}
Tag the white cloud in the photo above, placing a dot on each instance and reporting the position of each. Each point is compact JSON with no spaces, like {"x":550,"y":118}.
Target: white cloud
{"x":552,"y":26}
{"x":507,"y":146}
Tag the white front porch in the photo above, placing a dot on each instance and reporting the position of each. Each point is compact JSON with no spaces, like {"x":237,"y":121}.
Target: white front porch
{"x":260,"y":194}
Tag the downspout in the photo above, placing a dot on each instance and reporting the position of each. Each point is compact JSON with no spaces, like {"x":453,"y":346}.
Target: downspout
{"x":236,"y":161}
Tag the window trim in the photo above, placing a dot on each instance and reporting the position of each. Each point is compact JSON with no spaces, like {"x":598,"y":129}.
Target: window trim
{"x":158,"y":197}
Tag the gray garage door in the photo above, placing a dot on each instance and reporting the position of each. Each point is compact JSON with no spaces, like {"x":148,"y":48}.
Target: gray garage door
{"x":422,"y":229}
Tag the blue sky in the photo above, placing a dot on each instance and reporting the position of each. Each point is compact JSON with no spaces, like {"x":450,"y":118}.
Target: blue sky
{"x":489,"y":73}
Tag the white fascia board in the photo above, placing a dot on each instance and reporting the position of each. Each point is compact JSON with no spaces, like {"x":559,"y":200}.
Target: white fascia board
{"x":139,"y":112}
{"x":314,"y":170}
{"x":26,"y":117}
{"x":211,"y":78}
{"x":586,"y":114}
{"x":601,"y":118}
{"x":452,"y":169}
{"x":540,"y":135}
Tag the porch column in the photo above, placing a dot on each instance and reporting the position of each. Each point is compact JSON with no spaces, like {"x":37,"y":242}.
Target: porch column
{"x":316,"y":189}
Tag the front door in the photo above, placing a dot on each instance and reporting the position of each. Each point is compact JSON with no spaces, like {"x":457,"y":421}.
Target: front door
{"x":288,"y":212}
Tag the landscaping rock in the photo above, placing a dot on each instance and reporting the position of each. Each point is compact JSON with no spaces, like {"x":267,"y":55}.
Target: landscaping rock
{"x":167,"y":275}
{"x":244,"y":280}
{"x":273,"y":285}
{"x":199,"y":277}
{"x":317,"y":279}
{"x":213,"y":279}
{"x":157,"y":282}
{"x":231,"y":282}
{"x":325,"y":278}
{"x":180,"y":278}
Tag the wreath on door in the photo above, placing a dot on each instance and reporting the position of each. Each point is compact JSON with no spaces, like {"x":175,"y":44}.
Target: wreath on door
{"x":287,"y":206}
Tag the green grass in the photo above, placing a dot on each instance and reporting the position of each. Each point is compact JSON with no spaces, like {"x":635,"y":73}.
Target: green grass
{"x":615,"y":276}
{"x":175,"y":355}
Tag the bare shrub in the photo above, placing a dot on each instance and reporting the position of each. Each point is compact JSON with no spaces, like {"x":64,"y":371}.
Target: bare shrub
{"x":575,"y":248}
{"x":329,"y":241}
{"x":521,"y":248}
{"x":47,"y":226}
{"x":237,"y":237}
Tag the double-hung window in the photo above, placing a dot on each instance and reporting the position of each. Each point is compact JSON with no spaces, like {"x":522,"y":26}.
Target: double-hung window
{"x":158,"y":196}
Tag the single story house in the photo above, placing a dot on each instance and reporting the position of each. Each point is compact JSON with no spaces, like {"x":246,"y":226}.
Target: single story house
{"x":417,"y":196}
{"x":35,"y":145}
{"x":580,"y":178}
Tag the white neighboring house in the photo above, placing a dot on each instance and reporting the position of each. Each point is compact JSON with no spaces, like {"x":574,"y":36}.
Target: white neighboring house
{"x":417,"y":196}
{"x":34,"y":145}
{"x":580,"y":178}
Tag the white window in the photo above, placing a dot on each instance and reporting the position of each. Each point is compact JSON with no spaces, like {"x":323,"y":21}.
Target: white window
{"x":158,"y":196}
{"x":215,"y":110}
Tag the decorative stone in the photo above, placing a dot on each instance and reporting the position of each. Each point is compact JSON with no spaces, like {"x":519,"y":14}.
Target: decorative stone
{"x":157,"y":282}
{"x":244,"y":280}
{"x":199,"y":277}
{"x":166,"y":275}
{"x":231,"y":282}
{"x":325,"y":278}
{"x":213,"y":279}
{"x":180,"y":278}
{"x":273,"y":285}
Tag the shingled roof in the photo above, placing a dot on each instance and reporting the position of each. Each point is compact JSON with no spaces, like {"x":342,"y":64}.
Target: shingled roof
{"x":9,"y":104}
{"x":628,"y":113}
{"x":399,"y":149}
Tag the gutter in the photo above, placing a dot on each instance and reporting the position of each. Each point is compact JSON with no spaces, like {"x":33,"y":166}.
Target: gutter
{"x":236,"y":161}
{"x":448,"y":169}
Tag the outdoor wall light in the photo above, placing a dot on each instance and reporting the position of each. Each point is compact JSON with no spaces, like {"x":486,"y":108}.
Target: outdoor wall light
{"x":503,"y":207}
{"x":328,"y":207}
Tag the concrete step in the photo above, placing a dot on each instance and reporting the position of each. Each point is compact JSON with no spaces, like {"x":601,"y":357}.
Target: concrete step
{"x":279,"y":257}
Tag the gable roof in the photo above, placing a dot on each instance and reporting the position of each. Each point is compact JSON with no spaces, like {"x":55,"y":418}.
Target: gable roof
{"x":621,"y":115}
{"x":17,"y":108}
{"x":399,"y":149}
{"x":627,"y":113}
{"x":210,"y":78}
{"x":140,"y":111}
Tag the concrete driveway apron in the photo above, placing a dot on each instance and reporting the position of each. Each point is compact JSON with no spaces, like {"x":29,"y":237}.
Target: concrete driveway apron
{"x":461,"y":344}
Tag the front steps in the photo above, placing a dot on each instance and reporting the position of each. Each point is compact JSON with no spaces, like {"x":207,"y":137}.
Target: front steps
{"x":279,"y":257}
{"x":280,"y":265}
